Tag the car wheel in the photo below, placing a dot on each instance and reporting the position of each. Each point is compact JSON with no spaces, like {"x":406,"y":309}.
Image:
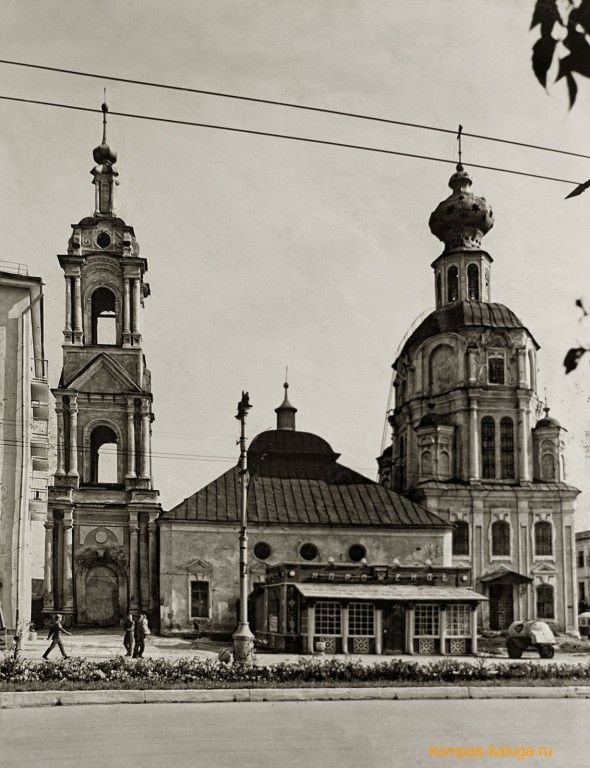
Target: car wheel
{"x":546,"y":651}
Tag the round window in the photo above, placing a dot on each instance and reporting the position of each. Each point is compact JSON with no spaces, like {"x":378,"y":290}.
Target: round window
{"x":103,"y":239}
{"x":262,"y":550}
{"x":308,"y":551}
{"x":356,"y":552}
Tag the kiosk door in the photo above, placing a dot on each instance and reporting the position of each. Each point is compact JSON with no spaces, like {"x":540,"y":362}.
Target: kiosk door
{"x":394,"y":628}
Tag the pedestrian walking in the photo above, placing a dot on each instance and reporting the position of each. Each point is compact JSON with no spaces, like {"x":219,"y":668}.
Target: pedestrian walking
{"x":142,"y":630}
{"x":54,"y":635}
{"x":128,"y":638}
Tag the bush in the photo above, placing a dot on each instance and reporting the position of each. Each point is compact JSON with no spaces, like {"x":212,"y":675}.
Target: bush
{"x":194,"y":672}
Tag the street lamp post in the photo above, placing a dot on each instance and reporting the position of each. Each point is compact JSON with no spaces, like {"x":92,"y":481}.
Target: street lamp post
{"x":243,"y":637}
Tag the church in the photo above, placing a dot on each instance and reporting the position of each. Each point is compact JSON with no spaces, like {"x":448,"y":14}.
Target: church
{"x":470,"y":441}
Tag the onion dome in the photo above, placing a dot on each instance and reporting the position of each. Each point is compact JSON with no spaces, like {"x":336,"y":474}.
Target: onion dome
{"x":103,"y":154}
{"x":462,"y":219}
{"x":286,"y":412}
{"x":547,"y":421}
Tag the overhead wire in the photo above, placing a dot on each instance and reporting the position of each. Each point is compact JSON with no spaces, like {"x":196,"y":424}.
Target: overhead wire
{"x":287,"y":105}
{"x":285,"y":136}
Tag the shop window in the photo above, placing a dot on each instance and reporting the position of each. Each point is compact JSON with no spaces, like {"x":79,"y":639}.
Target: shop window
{"x":273,"y":610}
{"x":461,"y":538}
{"x":488,"y":447}
{"x":580,"y":559}
{"x":506,"y":448}
{"x":473,"y":282}
{"x":328,"y":618}
{"x":545,"y":609}
{"x":459,"y":620}
{"x":543,"y":538}
{"x":199,"y":599}
{"x":356,"y":552}
{"x":500,"y":538}
{"x":308,"y":552}
{"x":361,"y":619}
{"x":262,"y":550}
{"x":496,"y":368}
{"x":426,"y":620}
{"x":452,"y":284}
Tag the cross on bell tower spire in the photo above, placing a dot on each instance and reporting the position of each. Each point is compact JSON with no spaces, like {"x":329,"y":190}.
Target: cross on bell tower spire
{"x":105,"y":175}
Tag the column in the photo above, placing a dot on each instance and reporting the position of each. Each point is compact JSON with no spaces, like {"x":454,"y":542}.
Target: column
{"x":474,"y":630}
{"x":310,"y":628}
{"x":153,"y":568}
{"x":442,"y":618}
{"x":471,"y":367}
{"x":521,"y":356}
{"x":77,"y":310}
{"x":130,"y":439}
{"x":73,"y":468}
{"x":410,"y":630}
{"x":133,"y":563}
{"x":145,"y":443}
{"x":68,"y":590}
{"x":126,"y":310}
{"x":68,"y":325}
{"x":523,"y":434}
{"x":136,"y":306}
{"x":144,"y":565}
{"x":473,"y":442}
{"x":344,"y":620}
{"x":59,"y":408}
{"x":379,"y":631}
{"x":48,"y":604}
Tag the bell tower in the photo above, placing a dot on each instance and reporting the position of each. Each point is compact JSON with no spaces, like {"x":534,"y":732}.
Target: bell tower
{"x":101,"y":530}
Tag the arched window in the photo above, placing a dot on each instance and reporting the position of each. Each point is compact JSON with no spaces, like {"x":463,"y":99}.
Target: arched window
{"x":104,"y":324}
{"x":506,"y":448}
{"x":461,"y":538}
{"x":473,"y":282}
{"x":501,"y":538}
{"x":548,"y":467}
{"x":488,"y":447}
{"x":402,"y":464}
{"x":545,"y":607}
{"x":543,"y":538}
{"x":444,"y":466}
{"x":103,"y":455}
{"x":426,"y":464}
{"x":452,"y":284}
{"x":438,"y":290}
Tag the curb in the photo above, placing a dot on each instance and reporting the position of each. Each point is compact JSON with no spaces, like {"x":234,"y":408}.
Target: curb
{"x":71,"y":698}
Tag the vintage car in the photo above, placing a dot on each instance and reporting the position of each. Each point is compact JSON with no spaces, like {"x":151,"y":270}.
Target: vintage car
{"x":538,"y":634}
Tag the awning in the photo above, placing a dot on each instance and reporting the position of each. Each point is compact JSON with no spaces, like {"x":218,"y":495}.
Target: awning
{"x":391,"y":592}
{"x":504,"y":575}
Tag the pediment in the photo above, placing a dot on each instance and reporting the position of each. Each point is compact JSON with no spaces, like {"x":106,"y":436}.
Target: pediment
{"x":542,"y":568}
{"x":103,"y":374}
{"x":199,"y":566}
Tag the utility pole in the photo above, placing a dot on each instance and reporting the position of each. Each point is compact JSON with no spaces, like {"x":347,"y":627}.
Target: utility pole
{"x":243,"y":637}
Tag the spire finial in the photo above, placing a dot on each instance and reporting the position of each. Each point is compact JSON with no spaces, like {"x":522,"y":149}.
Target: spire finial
{"x":459,"y":133}
{"x":286,"y":412}
{"x":105,"y":109}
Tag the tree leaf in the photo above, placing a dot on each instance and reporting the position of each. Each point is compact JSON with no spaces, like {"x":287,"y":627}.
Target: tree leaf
{"x":572,"y":358}
{"x":581,"y":15}
{"x":543,"y":51}
{"x":545,"y":13}
{"x":578,"y":190}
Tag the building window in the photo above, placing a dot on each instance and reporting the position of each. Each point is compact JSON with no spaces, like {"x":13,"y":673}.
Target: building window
{"x":262,"y":550}
{"x":199,"y":599}
{"x":582,"y":591}
{"x":506,"y":448}
{"x":426,"y":621}
{"x":104,"y":326}
{"x":103,"y":456}
{"x":402,"y":464}
{"x":473,"y":282}
{"x":461,"y":538}
{"x":459,"y":620}
{"x":500,"y":538}
{"x":545,"y":602}
{"x":488,"y":447}
{"x":452,"y":284}
{"x":328,"y":618}
{"x":426,"y":464}
{"x":356,"y":553}
{"x":543,"y":538}
{"x":438,"y":290}
{"x":581,"y":559}
{"x":361,"y":619}
{"x":496,"y":368}
{"x":548,"y":466}
{"x":308,"y":552}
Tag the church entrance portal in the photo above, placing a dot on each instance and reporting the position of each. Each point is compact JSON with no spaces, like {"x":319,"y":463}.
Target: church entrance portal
{"x":102,"y":596}
{"x":501,"y":606}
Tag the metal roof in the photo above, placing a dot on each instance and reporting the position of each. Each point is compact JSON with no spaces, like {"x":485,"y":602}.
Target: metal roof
{"x":301,"y":494}
{"x":409,"y":592}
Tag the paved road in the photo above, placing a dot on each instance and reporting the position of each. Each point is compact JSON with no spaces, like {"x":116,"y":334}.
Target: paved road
{"x":294,"y":734}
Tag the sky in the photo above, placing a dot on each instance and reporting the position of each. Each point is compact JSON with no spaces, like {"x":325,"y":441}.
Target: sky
{"x":265,"y":253}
